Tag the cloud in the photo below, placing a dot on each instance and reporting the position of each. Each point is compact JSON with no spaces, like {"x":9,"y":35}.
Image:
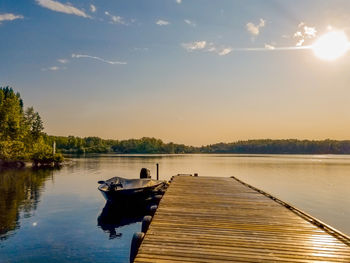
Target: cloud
{"x":298,"y":34}
{"x":53,"y":68}
{"x":304,"y":32}
{"x":310,"y":32}
{"x":206,"y":47}
{"x":255,"y":29}
{"x":100,"y":59}
{"x":270,"y":47}
{"x":63,"y":60}
{"x":56,"y":68}
{"x":93,"y":8}
{"x":63,"y":8}
{"x":115,"y":19}
{"x":197,"y":45}
{"x":221,"y":51}
{"x":211,"y":48}
{"x":178,"y":1}
{"x":161,"y":22}
{"x":300,"y":42}
{"x":189,"y":22}
{"x":224,"y":51}
{"x":264,"y":49}
{"x":9,"y":17}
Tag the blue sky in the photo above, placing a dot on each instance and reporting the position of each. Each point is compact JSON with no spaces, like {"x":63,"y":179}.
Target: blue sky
{"x":189,"y":71}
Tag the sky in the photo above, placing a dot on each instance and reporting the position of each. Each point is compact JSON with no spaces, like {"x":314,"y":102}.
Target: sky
{"x":188,"y":71}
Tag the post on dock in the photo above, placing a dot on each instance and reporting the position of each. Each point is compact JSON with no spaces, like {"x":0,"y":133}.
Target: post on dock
{"x":157,"y":171}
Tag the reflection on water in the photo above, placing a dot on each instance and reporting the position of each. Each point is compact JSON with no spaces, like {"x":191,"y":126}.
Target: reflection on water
{"x":114,"y":216}
{"x":60,"y":216}
{"x":19,"y":195}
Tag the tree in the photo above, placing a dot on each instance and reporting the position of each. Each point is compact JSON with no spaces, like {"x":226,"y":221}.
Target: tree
{"x":11,"y":109}
{"x":37,"y":126}
{"x":21,"y":133}
{"x":33,"y":123}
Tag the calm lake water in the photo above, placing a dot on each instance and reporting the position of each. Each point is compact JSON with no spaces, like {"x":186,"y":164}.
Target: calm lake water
{"x":54,"y":215}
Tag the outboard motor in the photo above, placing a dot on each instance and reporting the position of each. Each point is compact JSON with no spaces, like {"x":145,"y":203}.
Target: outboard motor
{"x":145,"y":173}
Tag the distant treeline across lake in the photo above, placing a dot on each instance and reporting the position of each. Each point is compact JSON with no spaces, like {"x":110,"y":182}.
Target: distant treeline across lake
{"x":73,"y":144}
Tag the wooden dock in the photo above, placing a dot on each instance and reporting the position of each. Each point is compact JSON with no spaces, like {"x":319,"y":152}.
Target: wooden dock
{"x":208,"y":219}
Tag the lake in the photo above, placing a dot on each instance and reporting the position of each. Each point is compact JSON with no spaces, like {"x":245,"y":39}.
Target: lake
{"x":54,"y":215}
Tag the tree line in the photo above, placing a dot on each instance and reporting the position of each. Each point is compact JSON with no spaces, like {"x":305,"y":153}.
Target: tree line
{"x":79,"y":145}
{"x":22,"y":139}
{"x":72,"y":144}
{"x":288,"y":146}
{"x":21,"y":133}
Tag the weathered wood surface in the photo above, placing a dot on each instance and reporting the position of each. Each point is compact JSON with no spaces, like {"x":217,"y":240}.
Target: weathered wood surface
{"x":206,"y":219}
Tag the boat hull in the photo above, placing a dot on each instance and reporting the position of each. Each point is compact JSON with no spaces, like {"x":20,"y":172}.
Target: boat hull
{"x":131,"y":195}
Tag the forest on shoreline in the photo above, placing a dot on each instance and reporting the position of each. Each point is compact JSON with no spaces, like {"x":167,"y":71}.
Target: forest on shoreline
{"x":22,"y":139}
{"x":21,"y":134}
{"x":77,"y":145}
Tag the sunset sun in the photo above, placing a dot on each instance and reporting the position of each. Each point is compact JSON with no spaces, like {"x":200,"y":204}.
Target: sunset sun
{"x":331,"y":45}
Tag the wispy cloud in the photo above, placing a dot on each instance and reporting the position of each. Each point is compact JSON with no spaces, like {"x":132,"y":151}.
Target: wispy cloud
{"x":224,"y":51}
{"x":298,"y":34}
{"x":53,"y":68}
{"x":178,"y":1}
{"x":220,"y":50}
{"x":196,"y":45}
{"x":56,"y":68}
{"x":304,"y":32}
{"x":98,"y":58}
{"x":63,"y":8}
{"x":269,"y":46}
{"x":9,"y":17}
{"x":161,"y":22}
{"x":189,"y":22}
{"x":93,"y":8}
{"x":300,"y":42}
{"x":63,"y":60}
{"x":115,"y":19}
{"x":310,"y":32}
{"x":255,"y":29}
{"x":206,"y":47}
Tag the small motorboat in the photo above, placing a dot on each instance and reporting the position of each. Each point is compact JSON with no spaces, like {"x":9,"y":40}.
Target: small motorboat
{"x":118,"y":189}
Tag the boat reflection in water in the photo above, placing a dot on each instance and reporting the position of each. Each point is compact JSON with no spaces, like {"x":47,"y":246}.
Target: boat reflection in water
{"x":128,"y":201}
{"x":114,"y":215}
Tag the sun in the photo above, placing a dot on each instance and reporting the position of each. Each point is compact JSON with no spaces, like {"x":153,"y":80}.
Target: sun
{"x":331,"y":45}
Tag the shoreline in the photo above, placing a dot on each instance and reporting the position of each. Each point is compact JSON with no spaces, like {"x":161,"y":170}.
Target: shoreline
{"x":19,"y":165}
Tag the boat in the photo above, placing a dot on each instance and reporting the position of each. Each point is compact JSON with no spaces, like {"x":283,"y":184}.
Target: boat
{"x":122,"y":190}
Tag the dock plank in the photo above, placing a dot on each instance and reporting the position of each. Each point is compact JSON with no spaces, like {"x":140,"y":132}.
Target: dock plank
{"x":208,"y":219}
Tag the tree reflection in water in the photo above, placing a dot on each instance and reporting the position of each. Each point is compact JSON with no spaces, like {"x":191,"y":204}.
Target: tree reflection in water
{"x":19,"y":196}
